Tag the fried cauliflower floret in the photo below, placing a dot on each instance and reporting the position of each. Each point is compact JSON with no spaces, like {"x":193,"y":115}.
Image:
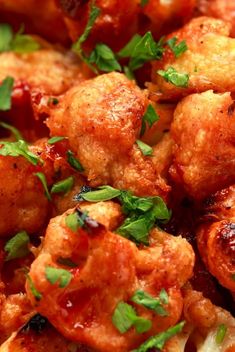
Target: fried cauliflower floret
{"x":15,"y":311}
{"x":223,"y":9}
{"x":48,"y":71}
{"x":209,"y":60}
{"x":102,"y":119}
{"x":114,"y":26}
{"x":45,"y":19}
{"x":109,"y":269}
{"x":204,"y":155}
{"x":216,"y":236}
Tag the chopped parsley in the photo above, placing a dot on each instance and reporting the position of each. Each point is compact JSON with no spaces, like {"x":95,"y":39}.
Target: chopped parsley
{"x":233,"y":277}
{"x":174,"y":77}
{"x":17,"y":246}
{"x":56,"y":275}
{"x":104,"y":58}
{"x":19,"y":148}
{"x":43,"y":180}
{"x":158,"y":341}
{"x":74,"y":162}
{"x":75,"y":220}
{"x":55,"y":139}
{"x":144,"y":2}
{"x":149,"y":118}
{"x":145,"y":148}
{"x":142,"y":212}
{"x":18,"y":42}
{"x":16,"y":133}
{"x":33,"y":289}
{"x":63,"y":186}
{"x":53,"y":101}
{"x":178,"y":49}
{"x":124,"y":317}
{"x":145,"y":299}
{"x":5,"y":93}
{"x":221,"y":332}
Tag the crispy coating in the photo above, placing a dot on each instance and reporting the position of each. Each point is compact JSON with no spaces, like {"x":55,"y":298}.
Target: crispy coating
{"x":216,"y":236}
{"x":45,"y":19}
{"x":223,"y":9}
{"x":115,"y":25}
{"x":82,"y":311}
{"x":209,"y":60}
{"x":48,"y":71}
{"x":204,"y":155}
{"x":102,"y":119}
{"x":15,"y":311}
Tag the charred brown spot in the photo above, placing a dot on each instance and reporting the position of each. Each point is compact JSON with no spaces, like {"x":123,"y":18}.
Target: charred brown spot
{"x":226,"y":237}
{"x":90,"y":225}
{"x":231,"y":109}
{"x":71,"y":7}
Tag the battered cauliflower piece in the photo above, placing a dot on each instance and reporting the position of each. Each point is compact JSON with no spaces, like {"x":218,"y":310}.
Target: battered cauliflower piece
{"x":223,"y":9}
{"x":204,"y":133}
{"x":102,"y":120}
{"x":209,"y":60}
{"x":216,"y":236}
{"x":114,"y":26}
{"x":37,"y":19}
{"x":109,"y":269}
{"x":47,"y":71}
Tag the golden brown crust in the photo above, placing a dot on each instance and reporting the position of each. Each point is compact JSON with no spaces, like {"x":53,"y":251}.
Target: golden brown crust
{"x":106,"y":258}
{"x":209,"y":61}
{"x":203,"y":131}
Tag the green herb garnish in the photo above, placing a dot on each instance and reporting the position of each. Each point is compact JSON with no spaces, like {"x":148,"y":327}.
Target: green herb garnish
{"x":5,"y":93}
{"x":74,"y":162}
{"x":104,"y":58}
{"x":74,"y":221}
{"x":158,"y":341}
{"x":33,"y":289}
{"x":145,"y":148}
{"x":19,"y":148}
{"x":145,"y":299}
{"x":43,"y":180}
{"x":178,"y":49}
{"x":221,"y":332}
{"x":174,"y":77}
{"x":63,"y":186}
{"x":55,"y":139}
{"x":61,"y":276}
{"x":17,"y":246}
{"x":149,"y":118}
{"x":124,"y":317}
{"x":16,"y":133}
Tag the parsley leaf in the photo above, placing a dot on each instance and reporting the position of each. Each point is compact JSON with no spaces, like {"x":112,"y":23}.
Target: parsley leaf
{"x":129,"y":47}
{"x":149,"y":118}
{"x":17,"y":246}
{"x":74,"y":162}
{"x":221,"y":332}
{"x":63,"y":186}
{"x":174,"y":77}
{"x":159,"y":340}
{"x":43,"y":180}
{"x":33,"y":289}
{"x":19,"y":148}
{"x":74,"y":221}
{"x":102,"y":194}
{"x":104,"y":58}
{"x":150,"y":302}
{"x":145,"y":50}
{"x":6,"y":36}
{"x":55,"y":139}
{"x":13,"y":130}
{"x":19,"y":43}
{"x":145,"y":148}
{"x":54,"y":275}
{"x":233,"y":277}
{"x":124,"y":317}
{"x":5,"y":93}
{"x":178,"y":49}
{"x":144,"y":2}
